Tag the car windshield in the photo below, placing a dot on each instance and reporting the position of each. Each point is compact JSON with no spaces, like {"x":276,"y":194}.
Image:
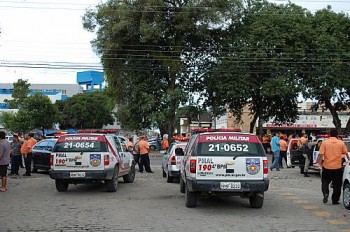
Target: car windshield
{"x":81,"y":144}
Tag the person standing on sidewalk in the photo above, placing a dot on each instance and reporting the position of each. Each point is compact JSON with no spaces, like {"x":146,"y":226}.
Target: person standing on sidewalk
{"x":5,"y":152}
{"x":283,"y":151}
{"x":144,"y":156}
{"x":165,"y":142}
{"x":26,"y":151}
{"x":16,"y":155}
{"x":275,"y":147}
{"x":307,"y":152}
{"x":332,"y":151}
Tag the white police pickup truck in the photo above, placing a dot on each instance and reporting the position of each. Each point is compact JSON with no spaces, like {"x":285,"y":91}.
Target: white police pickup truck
{"x":90,"y":158}
{"x":224,"y":163}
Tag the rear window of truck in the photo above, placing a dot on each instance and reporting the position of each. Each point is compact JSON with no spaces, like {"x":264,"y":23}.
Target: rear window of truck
{"x":229,"y":145}
{"x":81,"y":144}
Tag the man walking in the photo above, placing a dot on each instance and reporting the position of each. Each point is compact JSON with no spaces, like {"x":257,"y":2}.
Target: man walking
{"x":332,"y":151}
{"x":5,"y":152}
{"x":26,"y":151}
{"x":275,"y":147}
{"x":307,"y":152}
{"x":144,"y":157}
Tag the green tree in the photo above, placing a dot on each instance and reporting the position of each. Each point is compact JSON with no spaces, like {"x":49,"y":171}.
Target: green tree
{"x":42,"y":113}
{"x":325,"y":67}
{"x":19,"y":94}
{"x":87,"y":110}
{"x":154,"y":53}
{"x":18,"y":122}
{"x":255,"y":66}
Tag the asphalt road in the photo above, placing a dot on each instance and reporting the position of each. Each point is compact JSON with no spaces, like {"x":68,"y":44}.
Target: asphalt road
{"x":293,"y":203}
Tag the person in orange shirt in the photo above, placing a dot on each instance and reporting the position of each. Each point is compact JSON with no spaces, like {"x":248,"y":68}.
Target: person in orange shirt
{"x":144,"y":157}
{"x":283,"y":151}
{"x":165,"y":142}
{"x":332,"y":151}
{"x":26,"y":151}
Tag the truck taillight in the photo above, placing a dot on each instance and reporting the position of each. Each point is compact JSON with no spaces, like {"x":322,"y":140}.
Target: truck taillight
{"x":173,"y":160}
{"x":193,"y":163}
{"x":266,"y":166}
{"x":106,"y":160}
{"x":51,"y":160}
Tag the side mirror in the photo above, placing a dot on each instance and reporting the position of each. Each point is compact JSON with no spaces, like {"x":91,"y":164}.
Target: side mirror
{"x":179,"y":152}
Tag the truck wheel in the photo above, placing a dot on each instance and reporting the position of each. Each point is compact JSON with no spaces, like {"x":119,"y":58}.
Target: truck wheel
{"x":61,"y":185}
{"x":130,"y":177}
{"x":164,"y":173}
{"x":257,"y":200}
{"x":182,"y":185}
{"x":34,"y":168}
{"x":112,"y":184}
{"x":346,"y":196}
{"x":169,"y":179}
{"x":301,"y":169}
{"x":190,"y":198}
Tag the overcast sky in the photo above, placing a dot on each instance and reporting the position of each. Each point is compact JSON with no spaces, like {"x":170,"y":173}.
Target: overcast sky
{"x":43,"y":34}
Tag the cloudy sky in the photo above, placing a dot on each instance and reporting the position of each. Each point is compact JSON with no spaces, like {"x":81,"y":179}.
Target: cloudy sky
{"x":43,"y":40}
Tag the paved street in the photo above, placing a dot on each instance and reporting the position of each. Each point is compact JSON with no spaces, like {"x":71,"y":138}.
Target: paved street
{"x":293,"y":203}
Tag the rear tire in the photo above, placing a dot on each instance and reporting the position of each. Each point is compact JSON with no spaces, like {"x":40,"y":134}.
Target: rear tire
{"x":301,"y":169}
{"x":112,"y":185}
{"x":346,"y":196}
{"x":182,"y":185}
{"x":257,"y":200}
{"x":190,"y":198}
{"x":130,"y":177}
{"x":169,"y":179}
{"x":61,"y":185}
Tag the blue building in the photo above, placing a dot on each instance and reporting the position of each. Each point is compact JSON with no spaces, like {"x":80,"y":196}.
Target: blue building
{"x":90,"y":80}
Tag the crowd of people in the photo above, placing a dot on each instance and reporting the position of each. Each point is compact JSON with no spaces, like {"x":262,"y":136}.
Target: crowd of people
{"x":20,"y":149}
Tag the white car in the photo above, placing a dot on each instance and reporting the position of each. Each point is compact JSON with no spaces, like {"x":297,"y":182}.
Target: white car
{"x":346,"y":180}
{"x":90,"y":158}
{"x":231,"y":163}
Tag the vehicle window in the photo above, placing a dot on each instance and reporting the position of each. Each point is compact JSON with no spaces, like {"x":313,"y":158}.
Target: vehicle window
{"x":228,"y":148}
{"x":347,"y":143}
{"x":80,"y":144}
{"x":117,"y":144}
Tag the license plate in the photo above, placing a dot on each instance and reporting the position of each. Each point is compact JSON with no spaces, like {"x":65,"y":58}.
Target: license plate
{"x":230,"y":185}
{"x":77,"y":174}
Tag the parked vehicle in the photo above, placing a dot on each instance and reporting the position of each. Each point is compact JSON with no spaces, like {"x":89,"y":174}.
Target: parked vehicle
{"x":295,"y":156}
{"x":91,"y":158}
{"x":171,"y":161}
{"x":41,"y":154}
{"x":153,"y":144}
{"x":224,"y":163}
{"x":346,"y":179}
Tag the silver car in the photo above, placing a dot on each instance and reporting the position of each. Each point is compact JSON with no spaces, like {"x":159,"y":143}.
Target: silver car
{"x":171,"y":162}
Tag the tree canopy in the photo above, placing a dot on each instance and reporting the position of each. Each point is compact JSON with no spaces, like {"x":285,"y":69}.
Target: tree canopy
{"x":86,"y":110}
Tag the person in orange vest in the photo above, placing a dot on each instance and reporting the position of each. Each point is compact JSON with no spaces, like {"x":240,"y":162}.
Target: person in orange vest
{"x":26,"y":151}
{"x":144,"y":155}
{"x":332,"y":151}
{"x":165,"y":142}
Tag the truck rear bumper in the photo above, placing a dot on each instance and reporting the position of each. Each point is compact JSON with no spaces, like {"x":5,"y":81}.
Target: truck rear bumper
{"x":214,"y":186}
{"x":89,"y":175}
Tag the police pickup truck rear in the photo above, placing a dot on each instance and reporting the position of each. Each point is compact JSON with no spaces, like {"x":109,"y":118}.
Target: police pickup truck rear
{"x":224,"y":164}
{"x":90,"y":158}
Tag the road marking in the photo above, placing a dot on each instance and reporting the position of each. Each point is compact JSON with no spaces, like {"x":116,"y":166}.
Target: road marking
{"x":322,"y":214}
{"x":337,"y":222}
{"x":311,"y":207}
{"x":287,"y":194}
{"x":300,"y":202}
